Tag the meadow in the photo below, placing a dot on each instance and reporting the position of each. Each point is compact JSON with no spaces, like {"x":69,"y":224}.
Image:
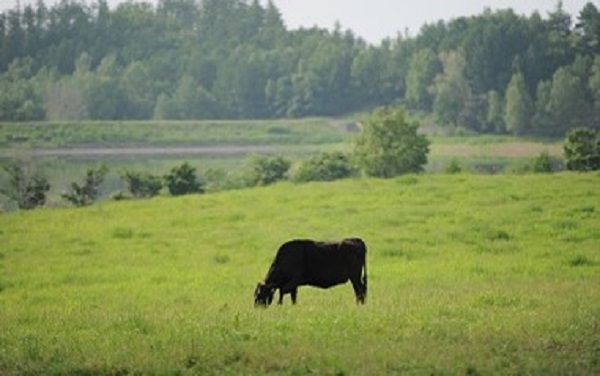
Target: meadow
{"x":468,"y":274}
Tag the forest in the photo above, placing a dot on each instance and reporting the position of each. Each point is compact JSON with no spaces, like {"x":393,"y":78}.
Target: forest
{"x":496,"y":72}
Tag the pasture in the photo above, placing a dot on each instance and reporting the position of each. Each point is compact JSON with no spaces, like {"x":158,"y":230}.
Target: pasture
{"x":468,"y":274}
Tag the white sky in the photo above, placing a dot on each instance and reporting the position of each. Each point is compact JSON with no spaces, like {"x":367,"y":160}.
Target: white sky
{"x":377,"y":19}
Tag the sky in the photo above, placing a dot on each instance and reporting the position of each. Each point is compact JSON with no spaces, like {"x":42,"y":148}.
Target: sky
{"x":374,"y":20}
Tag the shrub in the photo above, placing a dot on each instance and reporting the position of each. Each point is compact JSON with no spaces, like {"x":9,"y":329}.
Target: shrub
{"x":142,"y":185}
{"x":183,"y":180}
{"x":265,"y":170}
{"x":325,"y":167}
{"x":390,"y":145}
{"x":543,"y":163}
{"x":26,"y":186}
{"x":582,"y":149}
{"x":453,"y":167}
{"x":89,"y":191}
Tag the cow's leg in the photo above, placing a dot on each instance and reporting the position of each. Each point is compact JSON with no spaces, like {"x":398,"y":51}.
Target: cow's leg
{"x":289,"y":288}
{"x":294,"y":294}
{"x":360,"y":290}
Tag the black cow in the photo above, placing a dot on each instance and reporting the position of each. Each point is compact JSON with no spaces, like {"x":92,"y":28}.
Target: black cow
{"x":319,"y":264}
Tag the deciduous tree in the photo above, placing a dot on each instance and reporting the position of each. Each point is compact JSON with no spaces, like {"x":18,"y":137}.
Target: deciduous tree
{"x":424,"y":67}
{"x":582,"y":149}
{"x":389,"y":144}
{"x":519,"y":106}
{"x":26,"y":186}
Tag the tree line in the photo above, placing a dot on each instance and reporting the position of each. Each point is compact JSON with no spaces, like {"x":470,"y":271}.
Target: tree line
{"x":496,"y":72}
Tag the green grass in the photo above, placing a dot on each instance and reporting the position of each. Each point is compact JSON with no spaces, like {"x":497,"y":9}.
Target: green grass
{"x":467,"y":275}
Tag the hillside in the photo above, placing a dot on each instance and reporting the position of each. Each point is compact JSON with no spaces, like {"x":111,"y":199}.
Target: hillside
{"x":467,"y":274}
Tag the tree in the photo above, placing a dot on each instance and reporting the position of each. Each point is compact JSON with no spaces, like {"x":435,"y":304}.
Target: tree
{"x":567,"y":104}
{"x":424,"y":66}
{"x":373,"y":78}
{"x":494,"y":121}
{"x":192,"y":101}
{"x":451,"y":89}
{"x":542,"y":120}
{"x":325,"y":167}
{"x":582,"y":149}
{"x":106,"y":99}
{"x":594,"y":84}
{"x":241,"y":83}
{"x":265,"y":170}
{"x":14,"y":38}
{"x":139,"y":90}
{"x":588,"y":26}
{"x":20,"y":99}
{"x":26,"y":187}
{"x":490,"y":43}
{"x":179,"y":13}
{"x":273,"y":29}
{"x":519,"y":106}
{"x":390,"y":145}
{"x":543,"y":163}
{"x":88,"y":192}
{"x":182,"y":180}
{"x":142,"y":185}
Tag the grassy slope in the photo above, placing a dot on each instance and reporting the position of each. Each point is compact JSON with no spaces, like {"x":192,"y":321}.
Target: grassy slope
{"x":490,"y":274}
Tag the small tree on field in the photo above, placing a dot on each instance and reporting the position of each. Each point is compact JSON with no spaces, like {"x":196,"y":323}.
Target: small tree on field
{"x":582,"y":149}
{"x":26,"y":187}
{"x":325,"y":167}
{"x":543,"y":163}
{"x":265,"y":170}
{"x":389,"y":144}
{"x":182,"y":180}
{"x":88,"y":192}
{"x":453,"y":167}
{"x":519,"y":106}
{"x":142,"y":185}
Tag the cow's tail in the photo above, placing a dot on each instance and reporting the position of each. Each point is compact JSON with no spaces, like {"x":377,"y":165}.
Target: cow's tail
{"x":364,"y":275}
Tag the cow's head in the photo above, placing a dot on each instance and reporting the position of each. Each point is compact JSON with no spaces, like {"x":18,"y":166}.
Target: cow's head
{"x":263,"y":295}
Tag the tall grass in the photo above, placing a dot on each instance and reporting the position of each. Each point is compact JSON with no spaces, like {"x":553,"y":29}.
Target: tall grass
{"x":467,"y":275}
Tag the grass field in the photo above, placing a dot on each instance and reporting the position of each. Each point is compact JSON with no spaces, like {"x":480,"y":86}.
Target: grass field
{"x":468,"y":274}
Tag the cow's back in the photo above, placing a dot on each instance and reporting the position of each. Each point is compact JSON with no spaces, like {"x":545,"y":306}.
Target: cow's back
{"x":330,"y":264}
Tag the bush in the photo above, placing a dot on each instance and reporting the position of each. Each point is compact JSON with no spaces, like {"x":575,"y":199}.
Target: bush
{"x":390,"y":145}
{"x":26,"y":187}
{"x":182,"y":180}
{"x":89,"y":191}
{"x":543,"y":163}
{"x":265,"y":170}
{"x":582,"y":149}
{"x":453,"y":167}
{"x":325,"y":167}
{"x":142,"y":185}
